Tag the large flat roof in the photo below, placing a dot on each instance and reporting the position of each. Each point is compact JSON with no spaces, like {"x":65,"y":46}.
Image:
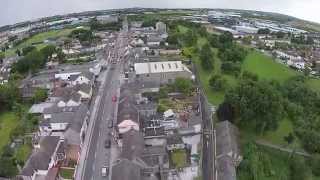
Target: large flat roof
{"x":159,"y":67}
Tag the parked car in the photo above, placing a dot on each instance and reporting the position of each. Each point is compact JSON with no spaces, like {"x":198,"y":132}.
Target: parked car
{"x":110,"y":123}
{"x":107,"y":143}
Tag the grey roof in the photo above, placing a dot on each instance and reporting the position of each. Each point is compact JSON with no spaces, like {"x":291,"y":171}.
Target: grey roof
{"x":155,"y":155}
{"x":126,"y":108}
{"x":227,"y":138}
{"x":88,"y":75}
{"x":126,"y":170}
{"x":41,"y":158}
{"x":226,"y":170}
{"x":40,"y":108}
{"x":56,"y":109}
{"x":86,"y":88}
{"x":62,"y":117}
{"x":133,"y":145}
{"x":72,"y":135}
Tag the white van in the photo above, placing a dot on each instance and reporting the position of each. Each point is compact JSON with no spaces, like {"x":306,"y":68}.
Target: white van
{"x":104,"y":171}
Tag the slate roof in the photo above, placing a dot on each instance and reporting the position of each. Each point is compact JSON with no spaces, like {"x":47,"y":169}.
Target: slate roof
{"x":41,"y":158}
{"x":86,"y":88}
{"x":133,"y":145}
{"x":72,"y":135}
{"x":126,"y":170}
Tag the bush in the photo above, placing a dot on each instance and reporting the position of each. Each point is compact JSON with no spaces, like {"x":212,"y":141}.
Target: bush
{"x":183,"y":85}
{"x":217,"y":83}
{"x":231,"y":67}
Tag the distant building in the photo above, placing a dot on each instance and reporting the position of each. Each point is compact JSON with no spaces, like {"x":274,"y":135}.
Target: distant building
{"x":161,"y":27}
{"x":107,"y":19}
{"x":161,"y":72}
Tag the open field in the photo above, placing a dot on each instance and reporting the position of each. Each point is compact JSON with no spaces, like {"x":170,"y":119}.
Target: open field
{"x":266,"y":68}
{"x":39,"y":38}
{"x":8,"y":122}
{"x":179,"y":158}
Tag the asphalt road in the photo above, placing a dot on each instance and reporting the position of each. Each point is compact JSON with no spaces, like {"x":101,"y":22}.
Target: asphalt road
{"x":99,"y":156}
{"x":208,"y":142}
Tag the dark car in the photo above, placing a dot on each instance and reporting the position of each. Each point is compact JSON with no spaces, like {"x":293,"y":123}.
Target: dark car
{"x":107,"y":143}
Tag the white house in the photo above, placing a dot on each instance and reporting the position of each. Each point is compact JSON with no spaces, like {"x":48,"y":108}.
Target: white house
{"x":127,"y":125}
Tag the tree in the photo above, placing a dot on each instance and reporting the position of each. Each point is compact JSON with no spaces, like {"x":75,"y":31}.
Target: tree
{"x":33,"y":61}
{"x":289,"y":139}
{"x":2,"y":56}
{"x":206,"y":57}
{"x":256,"y":103}
{"x":7,"y":167}
{"x":61,"y":56}
{"x":247,"y":40}
{"x":40,"y":95}
{"x":264,"y":31}
{"x":27,"y":49}
{"x":225,"y":40}
{"x":18,"y":52}
{"x":217,"y":83}
{"x":315,"y":164}
{"x":48,"y":51}
{"x":231,"y":67}
{"x":183,"y":85}
{"x":298,"y":169}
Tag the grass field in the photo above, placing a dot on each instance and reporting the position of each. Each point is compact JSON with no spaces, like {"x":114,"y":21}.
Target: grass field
{"x":8,"y":122}
{"x":179,"y":158}
{"x":23,"y":153}
{"x":66,"y":173}
{"x":266,"y":68}
{"x":279,"y":166}
{"x":39,"y":38}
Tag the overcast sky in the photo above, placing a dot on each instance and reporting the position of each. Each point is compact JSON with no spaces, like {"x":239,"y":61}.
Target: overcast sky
{"x":12,"y":11}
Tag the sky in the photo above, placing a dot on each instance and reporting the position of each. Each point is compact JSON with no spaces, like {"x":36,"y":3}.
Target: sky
{"x":13,"y":11}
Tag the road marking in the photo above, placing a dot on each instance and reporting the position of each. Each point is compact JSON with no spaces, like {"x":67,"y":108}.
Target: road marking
{"x":95,"y":155}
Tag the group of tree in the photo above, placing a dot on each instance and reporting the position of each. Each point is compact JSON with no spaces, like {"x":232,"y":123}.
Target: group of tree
{"x":256,"y":104}
{"x":35,"y":59}
{"x":264,"y":31}
{"x":301,"y":39}
{"x":85,"y":36}
{"x":206,"y":57}
{"x":218,"y":83}
{"x":95,"y":25}
{"x":183,"y":85}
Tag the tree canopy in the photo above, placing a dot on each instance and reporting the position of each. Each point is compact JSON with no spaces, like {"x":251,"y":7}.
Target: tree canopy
{"x":256,"y":103}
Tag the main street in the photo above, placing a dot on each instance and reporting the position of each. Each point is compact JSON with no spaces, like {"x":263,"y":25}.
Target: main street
{"x":97,"y":155}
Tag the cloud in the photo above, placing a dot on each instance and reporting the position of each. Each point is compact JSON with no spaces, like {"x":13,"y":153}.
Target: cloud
{"x":12,"y":11}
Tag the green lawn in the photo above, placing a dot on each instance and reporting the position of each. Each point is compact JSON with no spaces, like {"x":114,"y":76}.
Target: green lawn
{"x":67,"y":173}
{"x":314,"y":84}
{"x":8,"y":122}
{"x":278,"y":166}
{"x":23,"y":153}
{"x":182,"y":29}
{"x":40,"y":38}
{"x":179,"y":158}
{"x":266,"y":68}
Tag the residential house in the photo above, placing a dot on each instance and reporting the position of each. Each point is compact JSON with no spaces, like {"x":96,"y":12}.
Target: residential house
{"x":46,"y":155}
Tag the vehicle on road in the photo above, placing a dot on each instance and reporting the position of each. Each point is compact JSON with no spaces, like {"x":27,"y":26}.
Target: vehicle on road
{"x":114,"y":98}
{"x":107,"y":143}
{"x":104,"y":171}
{"x":110,"y":123}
